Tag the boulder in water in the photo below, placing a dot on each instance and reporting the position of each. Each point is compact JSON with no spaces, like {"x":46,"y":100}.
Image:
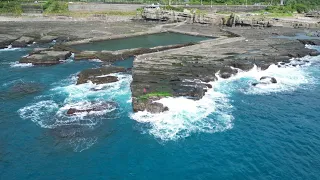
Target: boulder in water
{"x":266,"y":80}
{"x":46,"y":57}
{"x":99,"y":75}
{"x":93,"y":107}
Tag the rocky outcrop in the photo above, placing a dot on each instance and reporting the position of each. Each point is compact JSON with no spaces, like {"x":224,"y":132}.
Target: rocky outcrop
{"x":46,"y":57}
{"x":6,"y":40}
{"x":310,"y":42}
{"x":92,"y":107}
{"x":236,"y":20}
{"x":175,"y":16}
{"x":99,"y":75}
{"x":149,"y":104}
{"x":23,"y":41}
{"x":266,"y":80}
{"x":186,"y":71}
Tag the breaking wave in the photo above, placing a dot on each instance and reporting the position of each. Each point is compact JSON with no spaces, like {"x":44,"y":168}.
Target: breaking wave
{"x":213,"y":113}
{"x":92,"y":104}
{"x":21,"y":65}
{"x":10,"y":48}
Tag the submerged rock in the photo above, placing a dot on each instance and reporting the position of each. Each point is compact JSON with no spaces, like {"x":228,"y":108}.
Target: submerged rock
{"x":46,"y":57}
{"x":21,"y":89}
{"x":99,"y":75}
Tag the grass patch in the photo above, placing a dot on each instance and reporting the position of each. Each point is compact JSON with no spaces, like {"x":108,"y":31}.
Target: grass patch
{"x":10,"y":7}
{"x":155,"y":94}
{"x":53,"y":6}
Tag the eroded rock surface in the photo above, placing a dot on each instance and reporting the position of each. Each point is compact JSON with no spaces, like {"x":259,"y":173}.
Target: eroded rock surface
{"x":99,"y":75}
{"x":186,"y":71}
{"x":46,"y":57}
{"x":23,"y":41}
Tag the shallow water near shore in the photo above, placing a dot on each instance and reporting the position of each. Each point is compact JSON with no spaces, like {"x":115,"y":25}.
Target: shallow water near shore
{"x":235,"y":132}
{"x":143,"y":41}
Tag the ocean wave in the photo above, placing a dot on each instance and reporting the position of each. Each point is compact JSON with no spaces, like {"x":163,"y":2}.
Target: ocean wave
{"x":92,"y":104}
{"x":213,"y":113}
{"x":210,"y":114}
{"x":10,"y":48}
{"x":20,"y":65}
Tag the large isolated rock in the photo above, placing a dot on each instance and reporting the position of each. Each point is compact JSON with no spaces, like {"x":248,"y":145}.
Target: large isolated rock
{"x":266,"y":80}
{"x":46,"y":57}
{"x":23,"y":41}
{"x":99,"y":75}
{"x":93,"y":107}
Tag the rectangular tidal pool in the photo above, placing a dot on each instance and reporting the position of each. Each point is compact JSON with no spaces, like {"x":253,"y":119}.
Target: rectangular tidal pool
{"x":143,"y":41}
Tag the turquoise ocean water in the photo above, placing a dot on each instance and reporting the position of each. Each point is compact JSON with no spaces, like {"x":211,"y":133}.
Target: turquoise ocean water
{"x":235,"y":132}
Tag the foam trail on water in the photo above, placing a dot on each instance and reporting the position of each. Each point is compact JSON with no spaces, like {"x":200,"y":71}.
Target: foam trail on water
{"x":20,"y":65}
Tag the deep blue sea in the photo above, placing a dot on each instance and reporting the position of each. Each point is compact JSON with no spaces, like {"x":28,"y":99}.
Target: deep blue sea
{"x":235,"y":132}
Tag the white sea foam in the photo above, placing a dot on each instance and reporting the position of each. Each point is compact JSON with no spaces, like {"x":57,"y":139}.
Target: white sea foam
{"x":95,"y":60}
{"x":20,"y":65}
{"x":10,"y":48}
{"x":52,"y":114}
{"x":81,"y":144}
{"x":210,"y":114}
{"x":214,"y":111}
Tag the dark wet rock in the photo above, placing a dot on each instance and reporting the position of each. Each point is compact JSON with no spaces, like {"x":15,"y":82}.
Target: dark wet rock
{"x":99,"y":75}
{"x":242,"y":64}
{"x":266,"y":80}
{"x":190,"y":90}
{"x":148,"y":105}
{"x":227,"y":72}
{"x":156,"y":107}
{"x":209,"y":85}
{"x":23,"y":41}
{"x":46,"y":57}
{"x":310,"y":41}
{"x":94,"y":107}
{"x":6,"y":40}
{"x":269,"y":78}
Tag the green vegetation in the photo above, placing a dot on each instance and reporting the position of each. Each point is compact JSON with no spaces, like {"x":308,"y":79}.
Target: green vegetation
{"x":155,"y":94}
{"x":10,"y":7}
{"x":300,"y":8}
{"x":53,"y":6}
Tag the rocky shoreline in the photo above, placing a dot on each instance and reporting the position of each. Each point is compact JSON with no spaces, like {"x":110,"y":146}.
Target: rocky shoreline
{"x":176,"y":70}
{"x":187,"y":71}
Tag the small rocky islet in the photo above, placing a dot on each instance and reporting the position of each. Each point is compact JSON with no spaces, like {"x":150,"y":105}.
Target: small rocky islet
{"x":178,"y":70}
